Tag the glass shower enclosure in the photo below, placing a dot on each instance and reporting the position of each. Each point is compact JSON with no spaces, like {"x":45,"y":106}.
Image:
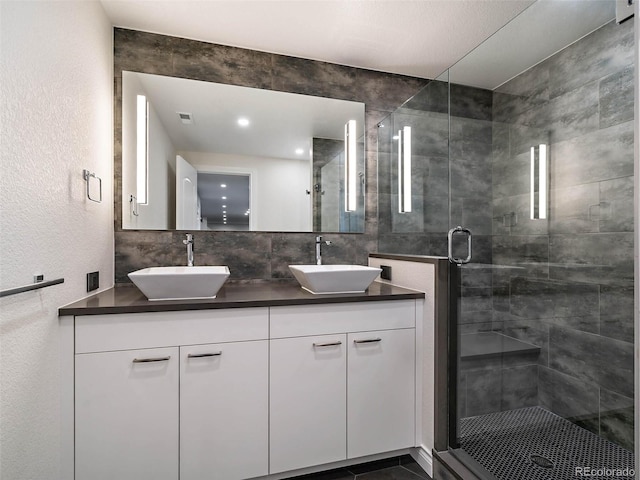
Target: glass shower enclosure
{"x":522,"y":174}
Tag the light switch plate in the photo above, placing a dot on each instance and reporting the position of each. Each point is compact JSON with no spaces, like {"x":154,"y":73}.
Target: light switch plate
{"x":93,"y":281}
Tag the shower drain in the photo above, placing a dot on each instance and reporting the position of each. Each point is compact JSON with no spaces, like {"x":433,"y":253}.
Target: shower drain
{"x":541,"y":461}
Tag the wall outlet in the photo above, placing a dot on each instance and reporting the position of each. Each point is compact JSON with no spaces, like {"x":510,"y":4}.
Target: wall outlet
{"x":93,"y":281}
{"x":385,"y":274}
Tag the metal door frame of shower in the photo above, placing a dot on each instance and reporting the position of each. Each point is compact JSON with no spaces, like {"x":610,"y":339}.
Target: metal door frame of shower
{"x":636,"y":209}
{"x":449,"y":464}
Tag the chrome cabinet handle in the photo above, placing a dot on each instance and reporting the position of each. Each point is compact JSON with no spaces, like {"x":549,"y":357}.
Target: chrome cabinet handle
{"x":450,"y":235}
{"x":203,"y":355}
{"x":330,"y":344}
{"x":368,"y":340}
{"x":147,"y":360}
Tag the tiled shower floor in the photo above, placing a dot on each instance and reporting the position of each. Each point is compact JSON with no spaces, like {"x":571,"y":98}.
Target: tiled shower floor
{"x":535,"y":444}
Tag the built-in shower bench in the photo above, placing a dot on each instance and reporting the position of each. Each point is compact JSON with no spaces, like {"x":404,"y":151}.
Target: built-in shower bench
{"x":494,"y":374}
{"x":475,"y":346}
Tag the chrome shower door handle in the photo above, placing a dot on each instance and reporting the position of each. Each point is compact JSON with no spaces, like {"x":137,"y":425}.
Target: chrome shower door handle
{"x":452,"y":232}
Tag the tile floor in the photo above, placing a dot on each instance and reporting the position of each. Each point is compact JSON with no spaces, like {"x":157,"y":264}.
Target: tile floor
{"x":397,"y":468}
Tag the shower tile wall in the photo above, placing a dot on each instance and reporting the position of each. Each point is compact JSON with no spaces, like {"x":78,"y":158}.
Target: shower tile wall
{"x":572,"y":291}
{"x":251,"y":255}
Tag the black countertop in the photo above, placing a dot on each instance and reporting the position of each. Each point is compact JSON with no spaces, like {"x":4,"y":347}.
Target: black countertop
{"x":128,"y":299}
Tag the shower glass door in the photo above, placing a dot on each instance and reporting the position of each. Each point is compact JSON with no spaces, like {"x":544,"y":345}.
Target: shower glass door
{"x":541,"y":173}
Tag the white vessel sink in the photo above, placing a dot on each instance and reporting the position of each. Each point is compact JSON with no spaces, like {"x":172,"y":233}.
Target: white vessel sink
{"x":334,"y":278}
{"x":180,"y":283}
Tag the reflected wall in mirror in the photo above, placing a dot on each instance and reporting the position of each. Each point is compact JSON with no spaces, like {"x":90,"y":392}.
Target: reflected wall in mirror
{"x":188,"y":133}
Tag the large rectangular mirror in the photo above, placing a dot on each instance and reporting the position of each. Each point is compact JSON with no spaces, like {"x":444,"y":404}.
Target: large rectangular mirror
{"x":206,"y":156}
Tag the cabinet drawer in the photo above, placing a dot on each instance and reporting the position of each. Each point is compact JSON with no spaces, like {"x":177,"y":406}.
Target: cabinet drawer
{"x":297,"y":321}
{"x":99,"y":333}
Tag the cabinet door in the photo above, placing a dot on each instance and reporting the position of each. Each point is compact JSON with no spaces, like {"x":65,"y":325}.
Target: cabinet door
{"x":381,"y":391}
{"x":126,"y":415}
{"x":307,"y":401}
{"x":224,"y":395}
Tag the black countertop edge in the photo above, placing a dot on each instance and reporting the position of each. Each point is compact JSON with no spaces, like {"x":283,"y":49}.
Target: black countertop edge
{"x":130,"y":300}
{"x":409,"y":258}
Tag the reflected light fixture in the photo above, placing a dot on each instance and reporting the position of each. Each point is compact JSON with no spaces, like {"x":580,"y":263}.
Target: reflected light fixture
{"x":142,"y":157}
{"x":404,"y":170}
{"x":539,"y":181}
{"x":350,"y":165}
{"x":243,"y":122}
{"x":299,"y":151}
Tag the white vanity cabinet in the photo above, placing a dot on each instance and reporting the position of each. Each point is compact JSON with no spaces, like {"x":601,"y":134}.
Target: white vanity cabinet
{"x":239,"y":393}
{"x":381,"y":391}
{"x":307,"y":397}
{"x":127,"y":415}
{"x":342,"y":382}
{"x":224,"y":410}
{"x":191,"y":399}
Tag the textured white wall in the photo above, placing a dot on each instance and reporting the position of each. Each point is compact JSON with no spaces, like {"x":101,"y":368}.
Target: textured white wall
{"x":56,"y":87}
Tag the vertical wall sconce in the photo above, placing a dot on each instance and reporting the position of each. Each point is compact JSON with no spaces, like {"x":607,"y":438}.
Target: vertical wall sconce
{"x":142,"y":154}
{"x":404,"y":169}
{"x":350,"y":167}
{"x":539,"y":182}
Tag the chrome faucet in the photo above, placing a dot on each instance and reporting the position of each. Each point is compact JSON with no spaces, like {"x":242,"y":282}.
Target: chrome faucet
{"x":319,"y":243}
{"x":189,"y":243}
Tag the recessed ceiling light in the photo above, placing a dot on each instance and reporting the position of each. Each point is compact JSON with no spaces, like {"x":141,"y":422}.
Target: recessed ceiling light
{"x":224,"y":211}
{"x":299,"y":151}
{"x":243,"y":122}
{"x":223,"y":185}
{"x":224,"y":206}
{"x":224,"y":198}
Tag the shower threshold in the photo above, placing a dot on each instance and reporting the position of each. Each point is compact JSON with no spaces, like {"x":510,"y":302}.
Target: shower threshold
{"x":535,"y":444}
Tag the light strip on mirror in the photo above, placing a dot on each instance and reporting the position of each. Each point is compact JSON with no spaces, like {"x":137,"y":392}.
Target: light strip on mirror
{"x":350,"y":166}
{"x":142,"y":137}
{"x":404,"y":170}
{"x":539,"y":182}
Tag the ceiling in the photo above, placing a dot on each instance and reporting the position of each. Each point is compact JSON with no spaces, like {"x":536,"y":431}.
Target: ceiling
{"x":412,"y":37}
{"x":544,"y":29}
{"x":281,"y":125}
